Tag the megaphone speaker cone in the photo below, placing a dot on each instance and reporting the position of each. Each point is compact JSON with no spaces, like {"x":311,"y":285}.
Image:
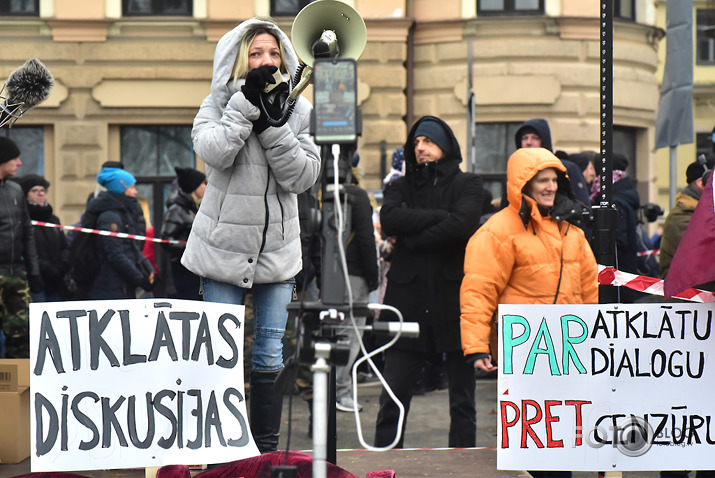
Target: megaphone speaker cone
{"x":341,"y":18}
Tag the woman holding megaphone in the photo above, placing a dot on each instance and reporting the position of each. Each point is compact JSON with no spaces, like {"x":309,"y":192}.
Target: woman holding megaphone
{"x":245,"y":237}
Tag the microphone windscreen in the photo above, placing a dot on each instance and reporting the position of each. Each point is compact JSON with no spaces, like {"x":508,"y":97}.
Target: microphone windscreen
{"x":321,"y":50}
{"x":30,"y":84}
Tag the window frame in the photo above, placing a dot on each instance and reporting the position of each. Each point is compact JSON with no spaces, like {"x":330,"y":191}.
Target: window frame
{"x":704,"y":144}
{"x":5,"y":10}
{"x":291,"y":12}
{"x":703,"y":39}
{"x":158,"y":9}
{"x":618,"y":10}
{"x":495,"y":178}
{"x":509,"y":9}
{"x":27,"y":138}
{"x":159,"y":182}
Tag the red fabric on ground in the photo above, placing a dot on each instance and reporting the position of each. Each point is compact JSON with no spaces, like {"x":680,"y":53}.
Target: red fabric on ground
{"x":260,"y":467}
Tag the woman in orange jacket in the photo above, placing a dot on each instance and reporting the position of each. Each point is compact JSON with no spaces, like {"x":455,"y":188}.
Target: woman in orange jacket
{"x":530,"y":252}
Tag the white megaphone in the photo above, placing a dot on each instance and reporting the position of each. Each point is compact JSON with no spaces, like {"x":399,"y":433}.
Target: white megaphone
{"x":322,"y":29}
{"x":329,"y":23}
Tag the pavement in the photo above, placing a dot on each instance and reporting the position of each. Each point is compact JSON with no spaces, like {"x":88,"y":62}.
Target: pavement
{"x":426,"y":436}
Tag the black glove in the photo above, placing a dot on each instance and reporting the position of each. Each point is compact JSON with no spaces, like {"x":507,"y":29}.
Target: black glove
{"x":36,"y":283}
{"x":256,"y":81}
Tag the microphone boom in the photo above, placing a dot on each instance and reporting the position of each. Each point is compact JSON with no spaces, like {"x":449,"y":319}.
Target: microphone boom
{"x":26,"y":87}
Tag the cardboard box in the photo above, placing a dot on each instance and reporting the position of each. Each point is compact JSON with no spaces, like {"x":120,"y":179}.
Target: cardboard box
{"x":14,"y":410}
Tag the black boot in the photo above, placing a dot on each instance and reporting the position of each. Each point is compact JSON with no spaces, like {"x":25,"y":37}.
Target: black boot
{"x":266,"y":406}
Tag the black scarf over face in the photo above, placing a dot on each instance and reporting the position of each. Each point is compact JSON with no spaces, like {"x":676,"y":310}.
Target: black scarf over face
{"x":40,"y":212}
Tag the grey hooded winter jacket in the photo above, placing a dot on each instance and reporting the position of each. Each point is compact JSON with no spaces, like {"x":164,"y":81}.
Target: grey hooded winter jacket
{"x":247,"y":230}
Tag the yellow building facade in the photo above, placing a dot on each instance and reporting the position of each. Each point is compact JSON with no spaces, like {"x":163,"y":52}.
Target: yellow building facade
{"x":114,"y":71}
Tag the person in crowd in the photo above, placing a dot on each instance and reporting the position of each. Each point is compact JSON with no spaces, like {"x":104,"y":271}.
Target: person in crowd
{"x":432,"y":211}
{"x":19,"y":263}
{"x":627,"y":201}
{"x":361,"y":259}
{"x":584,"y":161}
{"x":246,"y":235}
{"x":590,"y":172}
{"x":679,"y":216}
{"x":528,"y":253}
{"x":148,"y":248}
{"x":52,"y":247}
{"x":182,"y":206}
{"x":535,"y":133}
{"x":123,"y":266}
{"x":107,"y":165}
{"x":676,"y":222}
{"x":397,"y":169}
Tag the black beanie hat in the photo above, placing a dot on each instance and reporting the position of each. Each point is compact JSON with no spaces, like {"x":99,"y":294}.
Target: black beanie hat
{"x":580,"y":159}
{"x":189,"y":179}
{"x":29,"y":181}
{"x":620,"y":162}
{"x":8,"y":150}
{"x":694,"y":172}
{"x":434,"y":130}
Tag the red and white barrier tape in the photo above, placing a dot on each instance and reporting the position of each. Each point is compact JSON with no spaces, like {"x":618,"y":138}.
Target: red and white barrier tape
{"x":606,"y":275}
{"x":122,"y":235}
{"x":650,"y":285}
{"x":652,"y":252}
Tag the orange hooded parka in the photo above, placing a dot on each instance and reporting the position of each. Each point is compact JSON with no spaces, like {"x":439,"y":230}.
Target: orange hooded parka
{"x":520,"y":256}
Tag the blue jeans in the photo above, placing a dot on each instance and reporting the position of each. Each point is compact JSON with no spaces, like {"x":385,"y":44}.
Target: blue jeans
{"x":270,"y":314}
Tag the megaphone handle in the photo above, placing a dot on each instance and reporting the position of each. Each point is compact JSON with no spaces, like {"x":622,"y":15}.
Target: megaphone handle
{"x":302,"y":84}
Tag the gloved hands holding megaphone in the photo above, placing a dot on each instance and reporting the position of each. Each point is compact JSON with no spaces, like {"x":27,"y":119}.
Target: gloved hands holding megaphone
{"x":258,"y":81}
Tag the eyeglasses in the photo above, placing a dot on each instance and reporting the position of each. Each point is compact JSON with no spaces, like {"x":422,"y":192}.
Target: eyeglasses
{"x":38,"y":190}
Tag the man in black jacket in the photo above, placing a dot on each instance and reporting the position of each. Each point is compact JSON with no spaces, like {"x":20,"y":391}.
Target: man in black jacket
{"x":19,"y":265}
{"x":432,"y":211}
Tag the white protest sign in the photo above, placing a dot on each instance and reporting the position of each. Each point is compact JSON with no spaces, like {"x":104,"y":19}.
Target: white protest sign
{"x":136,"y":383}
{"x":622,"y":387}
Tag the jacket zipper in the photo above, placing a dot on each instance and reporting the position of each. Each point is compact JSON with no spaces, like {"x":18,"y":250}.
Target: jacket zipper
{"x":267,"y":218}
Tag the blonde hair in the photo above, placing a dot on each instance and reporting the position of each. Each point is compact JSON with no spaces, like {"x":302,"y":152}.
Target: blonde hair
{"x":144,"y":202}
{"x":240,"y":67}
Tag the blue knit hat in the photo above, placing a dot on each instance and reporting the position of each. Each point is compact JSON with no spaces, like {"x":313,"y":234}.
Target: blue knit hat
{"x":115,"y":180}
{"x":434,"y":130}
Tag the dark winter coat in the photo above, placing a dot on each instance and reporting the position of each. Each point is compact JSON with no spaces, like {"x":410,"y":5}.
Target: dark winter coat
{"x":178,"y":218}
{"x":124,"y":267}
{"x":310,"y":233}
{"x":627,"y":201}
{"x":179,"y":282}
{"x":53,"y":249}
{"x":432,"y":211}
{"x":361,"y":250}
{"x":18,"y":253}
{"x":675,"y":225}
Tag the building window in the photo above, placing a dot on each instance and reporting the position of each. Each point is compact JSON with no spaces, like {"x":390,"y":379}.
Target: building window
{"x":705,"y":36}
{"x":31,"y":142}
{"x":26,"y":8}
{"x":494,"y":143}
{"x":705,"y":144}
{"x":150,"y":154}
{"x":624,"y":9}
{"x":501,"y":7}
{"x":287,"y":8}
{"x":157,"y":7}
